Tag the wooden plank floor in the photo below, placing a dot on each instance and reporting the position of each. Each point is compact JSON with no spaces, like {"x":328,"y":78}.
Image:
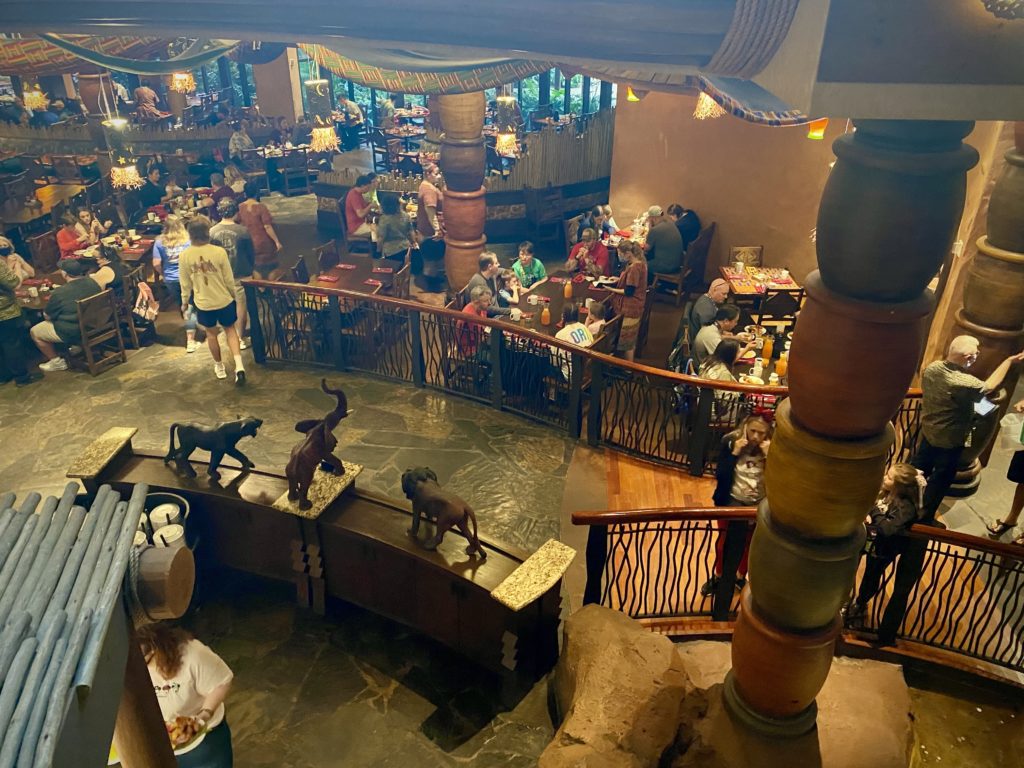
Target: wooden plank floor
{"x":637,"y":484}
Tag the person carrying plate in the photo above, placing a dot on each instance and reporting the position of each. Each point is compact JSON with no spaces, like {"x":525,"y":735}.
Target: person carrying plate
{"x":190,"y":681}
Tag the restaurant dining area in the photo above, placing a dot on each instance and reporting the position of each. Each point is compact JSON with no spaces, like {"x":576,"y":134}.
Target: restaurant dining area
{"x":445,"y":386}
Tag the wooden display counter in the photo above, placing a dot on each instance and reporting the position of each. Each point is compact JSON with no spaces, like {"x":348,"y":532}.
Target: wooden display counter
{"x":358,"y":550}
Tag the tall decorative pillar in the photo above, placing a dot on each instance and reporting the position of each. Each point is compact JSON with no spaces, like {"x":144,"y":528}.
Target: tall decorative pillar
{"x":888,"y":216}
{"x":463,"y":162}
{"x":993,"y":306}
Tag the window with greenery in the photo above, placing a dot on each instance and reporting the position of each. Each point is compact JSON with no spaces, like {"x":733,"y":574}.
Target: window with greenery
{"x":531,"y":98}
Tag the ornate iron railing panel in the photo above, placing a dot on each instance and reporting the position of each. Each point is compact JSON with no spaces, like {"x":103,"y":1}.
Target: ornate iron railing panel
{"x":456,"y":356}
{"x":295,"y":326}
{"x":535,"y":379}
{"x":375,"y":338}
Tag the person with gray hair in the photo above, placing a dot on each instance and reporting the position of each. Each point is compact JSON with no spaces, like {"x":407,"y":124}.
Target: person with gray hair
{"x":487,"y":277}
{"x":467,"y":334}
{"x":947,"y":414}
{"x":220,"y":192}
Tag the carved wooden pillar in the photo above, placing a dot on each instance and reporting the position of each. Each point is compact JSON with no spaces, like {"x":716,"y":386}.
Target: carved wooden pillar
{"x":463,"y":161}
{"x":888,"y":216}
{"x":993,"y":306}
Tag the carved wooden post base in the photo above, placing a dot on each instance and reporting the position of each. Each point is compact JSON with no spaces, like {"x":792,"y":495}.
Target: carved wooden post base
{"x":887,"y":218}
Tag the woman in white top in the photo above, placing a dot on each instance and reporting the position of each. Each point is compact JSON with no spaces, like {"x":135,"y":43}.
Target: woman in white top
{"x":234,"y":178}
{"x":14,"y":262}
{"x":190,"y":681}
{"x":90,"y":228}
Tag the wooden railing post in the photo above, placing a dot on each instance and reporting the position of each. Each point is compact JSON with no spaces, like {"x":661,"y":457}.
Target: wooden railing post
{"x":597,"y":553}
{"x":701,"y":431}
{"x":495,"y":339}
{"x":334,"y":329}
{"x":259,"y":346}
{"x":732,"y":553}
{"x":594,"y":412}
{"x":575,"y":394}
{"x":419,"y":366}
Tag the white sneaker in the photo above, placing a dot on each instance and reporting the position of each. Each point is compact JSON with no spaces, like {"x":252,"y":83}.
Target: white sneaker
{"x":243,"y":344}
{"x":219,"y":372}
{"x":57,"y":364}
{"x":191,"y":346}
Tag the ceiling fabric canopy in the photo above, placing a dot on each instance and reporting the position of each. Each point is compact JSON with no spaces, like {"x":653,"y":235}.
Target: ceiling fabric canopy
{"x":199,"y":53}
{"x":35,"y":56}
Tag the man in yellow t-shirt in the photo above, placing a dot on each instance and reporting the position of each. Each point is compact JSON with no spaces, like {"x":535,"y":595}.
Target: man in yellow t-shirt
{"x":208,"y":284}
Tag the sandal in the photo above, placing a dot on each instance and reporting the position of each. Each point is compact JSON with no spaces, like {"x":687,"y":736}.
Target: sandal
{"x":999,"y":527}
{"x":1019,"y":541}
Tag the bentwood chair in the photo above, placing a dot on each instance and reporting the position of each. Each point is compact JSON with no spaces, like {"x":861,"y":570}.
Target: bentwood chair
{"x":327,"y":256}
{"x":66,"y":169}
{"x":300,"y":271}
{"x":102,"y":346}
{"x":44,"y":252}
{"x":779,"y":308}
{"x":381,"y":150}
{"x":126,"y":302}
{"x":293,"y":165}
{"x":253,"y":166}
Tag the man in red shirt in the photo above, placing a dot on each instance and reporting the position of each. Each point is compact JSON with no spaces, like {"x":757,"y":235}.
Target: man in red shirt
{"x":220,"y":191}
{"x":68,"y":239}
{"x":357,"y":207}
{"x":467,"y":334}
{"x":589,"y":255}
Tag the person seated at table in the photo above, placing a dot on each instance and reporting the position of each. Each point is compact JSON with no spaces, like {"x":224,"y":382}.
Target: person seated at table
{"x":14,"y":261}
{"x":172,"y":187}
{"x":352,"y":116}
{"x":190,"y":681}
{"x":486,"y":277}
{"x":664,"y":245}
{"x":704,"y":309}
{"x":711,"y":335}
{"x":596,"y":317}
{"x":468,"y":335}
{"x":686,"y":221}
{"x":111,"y":270}
{"x":589,"y":256}
{"x":68,"y":239}
{"x":257,"y":219}
{"x":592,"y":219}
{"x":234,"y":179}
{"x":609,"y":227}
{"x":529,"y":269}
{"x":508,"y":288}
{"x":153,"y":193}
{"x":357,"y":208}
{"x":66,"y":110}
{"x":572,"y":330}
{"x":13,"y":112}
{"x":394,"y":229}
{"x":219,"y":115}
{"x":302,"y":132}
{"x":166,"y":251}
{"x":239,"y":141}
{"x":386,"y":112}
{"x":719,"y":365}
{"x":220,"y":192}
{"x":44,"y":118}
{"x":13,"y":362}
{"x":90,"y":228}
{"x":60,"y":325}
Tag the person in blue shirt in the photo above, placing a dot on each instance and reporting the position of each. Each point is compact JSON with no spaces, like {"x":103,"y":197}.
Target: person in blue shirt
{"x":166,"y":251}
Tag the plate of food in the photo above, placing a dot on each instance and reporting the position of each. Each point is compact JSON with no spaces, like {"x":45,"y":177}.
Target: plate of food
{"x":750,"y":356}
{"x":185,"y":734}
{"x":747,"y":378}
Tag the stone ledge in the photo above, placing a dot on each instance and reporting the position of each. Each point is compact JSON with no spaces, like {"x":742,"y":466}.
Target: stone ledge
{"x":539,"y":573}
{"x":100,"y":452}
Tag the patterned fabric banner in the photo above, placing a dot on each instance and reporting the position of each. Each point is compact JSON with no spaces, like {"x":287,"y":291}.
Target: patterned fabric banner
{"x":456,"y":81}
{"x":34,"y":57}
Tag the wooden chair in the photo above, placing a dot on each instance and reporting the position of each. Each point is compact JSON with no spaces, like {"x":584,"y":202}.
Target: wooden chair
{"x":408,"y":166}
{"x":126,"y":303}
{"x":102,"y":346}
{"x":179,"y":166}
{"x":43,"y":251}
{"x":572,"y":231}
{"x":293,"y":165}
{"x":66,"y":169}
{"x":327,"y":255}
{"x":300,"y":271}
{"x":751,"y":255}
{"x":381,"y":150}
{"x":695,"y":260}
{"x":253,"y":166}
{"x":360,"y":244}
{"x":645,"y":321}
{"x":16,"y":188}
{"x":400,"y":286}
{"x":496,"y":164}
{"x":779,"y":308}
{"x":544,"y":213}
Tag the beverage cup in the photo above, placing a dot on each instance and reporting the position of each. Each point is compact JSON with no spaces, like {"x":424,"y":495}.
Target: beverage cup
{"x":532,"y":299}
{"x":517,"y":314}
{"x":739,"y":266}
{"x":33,"y":291}
{"x":131,"y":233}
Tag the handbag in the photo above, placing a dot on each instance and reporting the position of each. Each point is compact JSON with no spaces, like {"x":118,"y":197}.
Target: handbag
{"x":145,"y":310}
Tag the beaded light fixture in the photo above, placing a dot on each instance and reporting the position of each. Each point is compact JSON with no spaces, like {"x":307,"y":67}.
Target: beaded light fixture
{"x":507,"y":144}
{"x":1005,"y":9}
{"x":125,"y":175}
{"x":707,"y":108}
{"x":323,"y":139}
{"x":183,"y":82}
{"x":35,"y":99}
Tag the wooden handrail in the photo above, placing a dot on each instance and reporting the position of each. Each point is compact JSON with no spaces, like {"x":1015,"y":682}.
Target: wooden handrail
{"x":663,"y":515}
{"x":617,"y":362}
{"x":683,"y":514}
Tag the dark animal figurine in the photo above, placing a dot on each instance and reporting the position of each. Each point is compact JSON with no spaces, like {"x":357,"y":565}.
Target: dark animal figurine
{"x":219,"y":440}
{"x":315,"y":449}
{"x":444,"y":509}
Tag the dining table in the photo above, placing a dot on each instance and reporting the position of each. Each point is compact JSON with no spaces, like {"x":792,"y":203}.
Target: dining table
{"x":42,"y":285}
{"x":407,"y":133}
{"x":755,"y":281}
{"x":359,"y":274}
{"x":551,"y":294}
{"x":14,"y":213}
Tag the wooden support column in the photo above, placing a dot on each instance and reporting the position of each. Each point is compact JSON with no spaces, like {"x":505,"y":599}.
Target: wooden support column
{"x":585,"y":109}
{"x":463,"y":161}
{"x":544,"y":88}
{"x":906,"y":181}
{"x":139,"y":733}
{"x":243,"y":81}
{"x":278,"y":88}
{"x":224,"y":70}
{"x":605,"y":96}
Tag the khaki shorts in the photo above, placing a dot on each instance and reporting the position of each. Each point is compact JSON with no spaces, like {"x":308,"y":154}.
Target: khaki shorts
{"x":240,"y":299}
{"x":45,"y":331}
